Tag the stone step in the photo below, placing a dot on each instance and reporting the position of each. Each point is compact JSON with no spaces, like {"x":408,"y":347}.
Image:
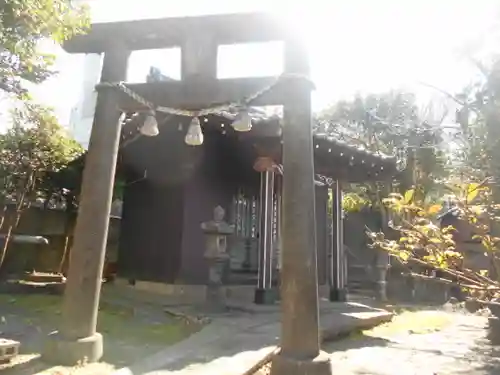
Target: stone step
{"x":360,"y":284}
{"x":360,"y":287}
{"x":360,"y":280}
{"x":352,"y":276}
{"x":368,"y":283}
{"x":8,"y":349}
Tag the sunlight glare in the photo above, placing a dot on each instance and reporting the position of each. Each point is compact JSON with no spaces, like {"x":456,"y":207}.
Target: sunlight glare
{"x":355,"y":45}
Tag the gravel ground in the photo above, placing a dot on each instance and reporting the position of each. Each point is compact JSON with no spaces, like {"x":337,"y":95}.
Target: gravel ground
{"x":131,"y":333}
{"x":433,"y":342}
{"x":459,"y":347}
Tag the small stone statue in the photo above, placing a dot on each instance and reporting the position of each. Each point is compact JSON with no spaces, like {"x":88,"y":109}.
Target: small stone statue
{"x":216,"y":233}
{"x":219,"y":214}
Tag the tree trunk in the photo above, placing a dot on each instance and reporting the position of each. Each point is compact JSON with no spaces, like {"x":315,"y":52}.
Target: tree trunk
{"x":68,"y":230}
{"x":4,"y":212}
{"x":8,"y":237}
{"x":19,"y":210}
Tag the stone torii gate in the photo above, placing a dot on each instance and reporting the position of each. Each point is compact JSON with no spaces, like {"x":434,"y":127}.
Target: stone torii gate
{"x":198,"y":38}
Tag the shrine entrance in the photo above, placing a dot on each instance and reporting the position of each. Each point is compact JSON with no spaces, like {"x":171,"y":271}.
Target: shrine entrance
{"x":216,"y":120}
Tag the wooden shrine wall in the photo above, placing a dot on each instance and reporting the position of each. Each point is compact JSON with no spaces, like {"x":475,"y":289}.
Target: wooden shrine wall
{"x":211,"y":186}
{"x":151,"y":225}
{"x":151,"y":232}
{"x":171,"y":189}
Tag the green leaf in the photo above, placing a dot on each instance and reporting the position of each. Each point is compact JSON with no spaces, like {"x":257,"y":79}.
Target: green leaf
{"x":409,"y":196}
{"x":472,"y":191}
{"x":434,"y":209}
{"x":23,"y":24}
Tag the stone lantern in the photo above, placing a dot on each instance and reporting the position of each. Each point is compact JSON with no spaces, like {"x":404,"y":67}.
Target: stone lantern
{"x":216,"y":232}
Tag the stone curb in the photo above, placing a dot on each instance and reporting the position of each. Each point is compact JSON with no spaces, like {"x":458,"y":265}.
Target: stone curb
{"x":370,"y":320}
{"x":184,"y":348}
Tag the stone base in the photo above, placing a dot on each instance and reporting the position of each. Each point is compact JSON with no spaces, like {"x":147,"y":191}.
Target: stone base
{"x":266,"y":296}
{"x":62,"y":351}
{"x":381,"y":293}
{"x":493,"y":334}
{"x":8,"y":349}
{"x":282,"y":365}
{"x":338,"y":295}
{"x":215,"y":299}
{"x":472,"y":306}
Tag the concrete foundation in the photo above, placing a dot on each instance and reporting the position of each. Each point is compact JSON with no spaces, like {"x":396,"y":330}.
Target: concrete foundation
{"x":194,"y":294}
{"x":62,"y":351}
{"x":266,"y":296}
{"x":320,"y":365}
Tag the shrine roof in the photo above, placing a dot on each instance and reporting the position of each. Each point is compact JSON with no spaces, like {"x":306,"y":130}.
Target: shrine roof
{"x":333,"y":157}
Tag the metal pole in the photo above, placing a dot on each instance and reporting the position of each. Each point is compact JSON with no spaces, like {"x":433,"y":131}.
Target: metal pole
{"x":264,"y":293}
{"x":77,"y":339}
{"x":338,"y":272}
{"x":279,"y":220}
{"x":300,"y":340}
{"x":383,"y":260}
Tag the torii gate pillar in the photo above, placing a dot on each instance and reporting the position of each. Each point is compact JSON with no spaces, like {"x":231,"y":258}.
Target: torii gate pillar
{"x":300,"y":335}
{"x":77,"y":339}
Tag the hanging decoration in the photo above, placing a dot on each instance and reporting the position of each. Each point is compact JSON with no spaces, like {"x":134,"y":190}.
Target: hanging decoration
{"x":194,"y":135}
{"x":243,"y":122}
{"x":150,"y":126}
{"x":401,"y":158}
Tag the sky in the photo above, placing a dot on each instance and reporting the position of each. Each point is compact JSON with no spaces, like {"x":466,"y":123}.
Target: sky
{"x":355,"y":46}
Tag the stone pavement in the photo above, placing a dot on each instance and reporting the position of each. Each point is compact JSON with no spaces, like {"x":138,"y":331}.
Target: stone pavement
{"x":460,"y":348}
{"x":235,"y":341}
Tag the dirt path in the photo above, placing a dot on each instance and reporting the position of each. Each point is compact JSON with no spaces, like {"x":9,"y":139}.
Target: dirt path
{"x":457,"y":347}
